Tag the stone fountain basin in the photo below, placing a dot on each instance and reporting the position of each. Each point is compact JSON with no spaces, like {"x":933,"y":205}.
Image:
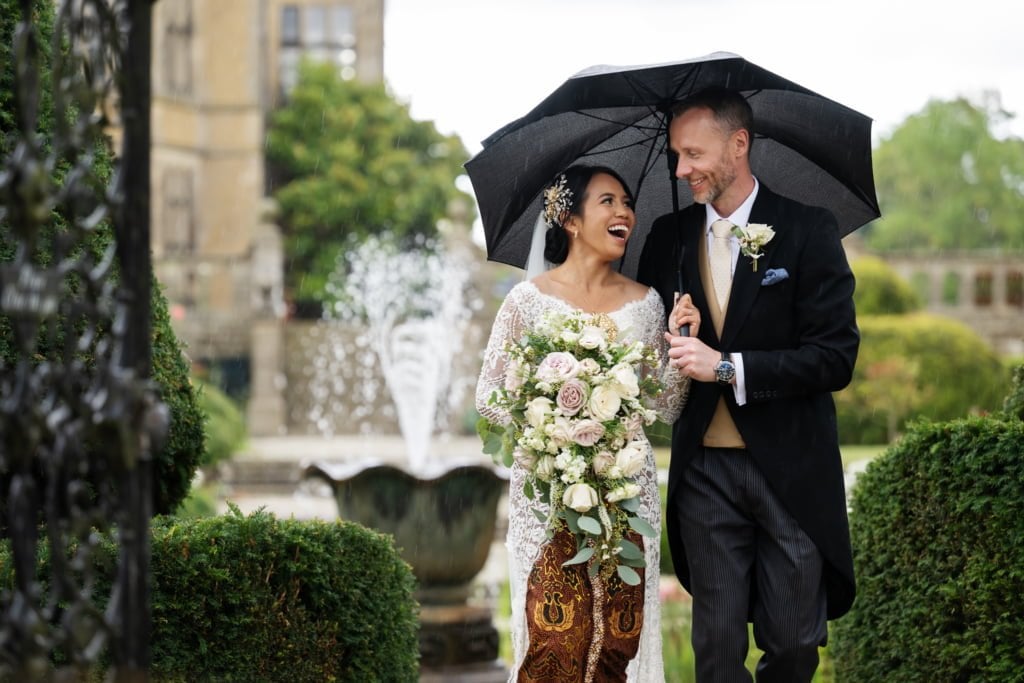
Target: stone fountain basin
{"x":442,"y":517}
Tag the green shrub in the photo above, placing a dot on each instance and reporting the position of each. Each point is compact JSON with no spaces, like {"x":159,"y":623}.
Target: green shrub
{"x":937,"y":525}
{"x":175,"y":465}
{"x":917,"y":365}
{"x":252,"y":598}
{"x":880,"y":290}
{"x":225,"y":425}
{"x":1013,"y":406}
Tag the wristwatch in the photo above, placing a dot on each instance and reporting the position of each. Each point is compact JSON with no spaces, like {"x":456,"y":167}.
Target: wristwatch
{"x":725,"y":370}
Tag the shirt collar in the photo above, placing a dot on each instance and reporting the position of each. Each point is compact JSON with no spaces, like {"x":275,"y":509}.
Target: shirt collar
{"x":740,"y":217}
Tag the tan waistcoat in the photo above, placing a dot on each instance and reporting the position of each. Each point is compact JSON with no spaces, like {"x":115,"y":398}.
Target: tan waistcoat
{"x":721,"y":432}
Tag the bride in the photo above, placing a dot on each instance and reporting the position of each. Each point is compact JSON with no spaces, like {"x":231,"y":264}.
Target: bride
{"x":565,"y":625}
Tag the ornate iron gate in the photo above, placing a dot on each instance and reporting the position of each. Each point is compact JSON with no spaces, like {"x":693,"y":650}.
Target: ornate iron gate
{"x":78,"y":414}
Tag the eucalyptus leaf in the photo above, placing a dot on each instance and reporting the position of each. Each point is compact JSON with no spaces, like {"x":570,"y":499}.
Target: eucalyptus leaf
{"x":630,"y":550}
{"x":628,"y":575}
{"x":528,"y":490}
{"x":629,"y":562}
{"x":572,"y":520}
{"x":642,"y":527}
{"x":539,"y":515}
{"x":630,"y":504}
{"x":590,"y":525}
{"x":580,"y":557}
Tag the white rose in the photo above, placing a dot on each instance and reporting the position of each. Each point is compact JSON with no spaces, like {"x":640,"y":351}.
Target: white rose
{"x":545,"y":469}
{"x":589,"y":366}
{"x":624,"y":379}
{"x":569,"y":337}
{"x":602,"y":461}
{"x":759,"y":233}
{"x":537,"y":411}
{"x":604,"y":403}
{"x":630,"y":460}
{"x":592,"y":337}
{"x":560,"y":431}
{"x":623,"y":492}
{"x":580,"y":497}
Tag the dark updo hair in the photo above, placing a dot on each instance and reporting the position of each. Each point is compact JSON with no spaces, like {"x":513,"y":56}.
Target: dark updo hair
{"x":556,"y":240}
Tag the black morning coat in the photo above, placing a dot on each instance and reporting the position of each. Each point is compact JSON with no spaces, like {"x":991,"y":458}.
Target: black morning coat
{"x":799,"y":340}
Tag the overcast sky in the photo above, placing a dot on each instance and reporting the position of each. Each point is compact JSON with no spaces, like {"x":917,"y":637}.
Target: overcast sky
{"x":473,"y":65}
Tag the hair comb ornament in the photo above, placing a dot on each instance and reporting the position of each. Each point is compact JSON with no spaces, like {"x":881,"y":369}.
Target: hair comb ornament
{"x":557,"y":200}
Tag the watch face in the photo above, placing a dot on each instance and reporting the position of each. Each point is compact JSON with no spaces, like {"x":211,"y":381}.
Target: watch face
{"x":724,"y":371}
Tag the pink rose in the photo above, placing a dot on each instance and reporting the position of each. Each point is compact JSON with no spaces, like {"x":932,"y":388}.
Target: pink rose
{"x":587,"y":432}
{"x":571,"y":397}
{"x":557,"y":366}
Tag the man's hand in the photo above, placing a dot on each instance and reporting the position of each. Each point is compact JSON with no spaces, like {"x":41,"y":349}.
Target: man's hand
{"x":693,"y":357}
{"x":683,"y":313}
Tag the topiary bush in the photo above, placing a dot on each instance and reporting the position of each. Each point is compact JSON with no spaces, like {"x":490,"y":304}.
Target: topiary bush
{"x":238,"y":599}
{"x":917,"y":365}
{"x":880,"y":289}
{"x":175,"y":465}
{"x":937,"y":525}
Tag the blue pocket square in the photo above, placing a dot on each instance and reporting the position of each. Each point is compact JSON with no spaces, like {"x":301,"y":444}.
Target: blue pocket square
{"x":773,"y":276}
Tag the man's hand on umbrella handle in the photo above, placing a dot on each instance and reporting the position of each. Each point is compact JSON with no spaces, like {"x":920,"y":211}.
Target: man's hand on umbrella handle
{"x":684,"y":316}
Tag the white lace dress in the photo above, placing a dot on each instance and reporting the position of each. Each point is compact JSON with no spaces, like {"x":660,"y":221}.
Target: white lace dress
{"x":640,"y":319}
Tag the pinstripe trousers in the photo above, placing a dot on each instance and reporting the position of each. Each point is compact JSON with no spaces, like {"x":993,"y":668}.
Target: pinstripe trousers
{"x":743,"y":546}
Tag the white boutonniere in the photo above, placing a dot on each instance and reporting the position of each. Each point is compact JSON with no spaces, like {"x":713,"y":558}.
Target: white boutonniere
{"x":752,"y":240}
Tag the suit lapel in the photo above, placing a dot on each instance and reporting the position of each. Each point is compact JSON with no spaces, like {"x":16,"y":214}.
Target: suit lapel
{"x":745,"y":281}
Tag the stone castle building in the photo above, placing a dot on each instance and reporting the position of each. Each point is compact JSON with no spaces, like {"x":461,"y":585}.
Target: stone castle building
{"x":219,"y":68}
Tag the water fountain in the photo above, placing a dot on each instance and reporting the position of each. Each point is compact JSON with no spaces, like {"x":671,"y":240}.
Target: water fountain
{"x":401,"y":314}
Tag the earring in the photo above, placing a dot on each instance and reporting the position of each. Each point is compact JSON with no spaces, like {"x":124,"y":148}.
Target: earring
{"x":575,"y":234}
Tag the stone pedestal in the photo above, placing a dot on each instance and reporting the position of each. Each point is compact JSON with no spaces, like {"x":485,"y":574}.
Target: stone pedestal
{"x":266,"y":409}
{"x":443,"y":524}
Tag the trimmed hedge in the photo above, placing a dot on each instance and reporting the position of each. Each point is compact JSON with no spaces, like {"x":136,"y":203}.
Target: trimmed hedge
{"x":252,"y":598}
{"x":937,"y":525}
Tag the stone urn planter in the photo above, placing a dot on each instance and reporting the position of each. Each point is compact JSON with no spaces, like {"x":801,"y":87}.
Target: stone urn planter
{"x":443,"y":520}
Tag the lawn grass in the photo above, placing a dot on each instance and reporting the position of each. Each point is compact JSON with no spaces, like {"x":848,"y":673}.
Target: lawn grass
{"x":849,"y":454}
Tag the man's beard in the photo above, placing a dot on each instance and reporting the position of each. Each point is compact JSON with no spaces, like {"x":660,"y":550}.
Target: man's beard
{"x":719,"y":179}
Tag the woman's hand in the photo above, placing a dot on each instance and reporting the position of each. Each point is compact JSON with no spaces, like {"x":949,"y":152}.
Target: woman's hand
{"x":684,"y":313}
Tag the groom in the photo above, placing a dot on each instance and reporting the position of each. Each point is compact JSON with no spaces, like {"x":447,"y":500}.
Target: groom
{"x":756,"y":505}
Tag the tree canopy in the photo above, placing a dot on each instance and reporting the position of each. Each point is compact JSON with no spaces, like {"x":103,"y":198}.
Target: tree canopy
{"x":947,"y":181}
{"x":348,"y":160}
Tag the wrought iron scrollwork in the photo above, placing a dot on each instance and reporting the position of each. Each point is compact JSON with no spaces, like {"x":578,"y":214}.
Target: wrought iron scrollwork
{"x":78,"y":413}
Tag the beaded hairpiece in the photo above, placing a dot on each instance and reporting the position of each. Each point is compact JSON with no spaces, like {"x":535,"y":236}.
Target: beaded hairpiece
{"x":557,"y":201}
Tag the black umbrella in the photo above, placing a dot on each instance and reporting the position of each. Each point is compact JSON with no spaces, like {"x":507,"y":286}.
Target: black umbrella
{"x":806,"y":146}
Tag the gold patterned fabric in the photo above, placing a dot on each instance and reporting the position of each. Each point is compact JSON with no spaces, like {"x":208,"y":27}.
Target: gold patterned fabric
{"x":580,"y":630}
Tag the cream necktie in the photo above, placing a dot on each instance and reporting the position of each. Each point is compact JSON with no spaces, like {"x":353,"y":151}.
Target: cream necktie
{"x":721,"y":261}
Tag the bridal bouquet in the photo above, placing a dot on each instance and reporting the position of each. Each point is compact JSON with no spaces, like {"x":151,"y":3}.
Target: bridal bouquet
{"x":576,"y":395}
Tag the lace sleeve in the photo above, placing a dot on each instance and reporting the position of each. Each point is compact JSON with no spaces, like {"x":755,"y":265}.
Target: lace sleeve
{"x":508,"y":326}
{"x":669,"y":404}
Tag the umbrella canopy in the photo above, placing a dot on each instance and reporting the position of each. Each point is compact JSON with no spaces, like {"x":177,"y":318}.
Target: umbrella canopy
{"x":806,"y":146}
